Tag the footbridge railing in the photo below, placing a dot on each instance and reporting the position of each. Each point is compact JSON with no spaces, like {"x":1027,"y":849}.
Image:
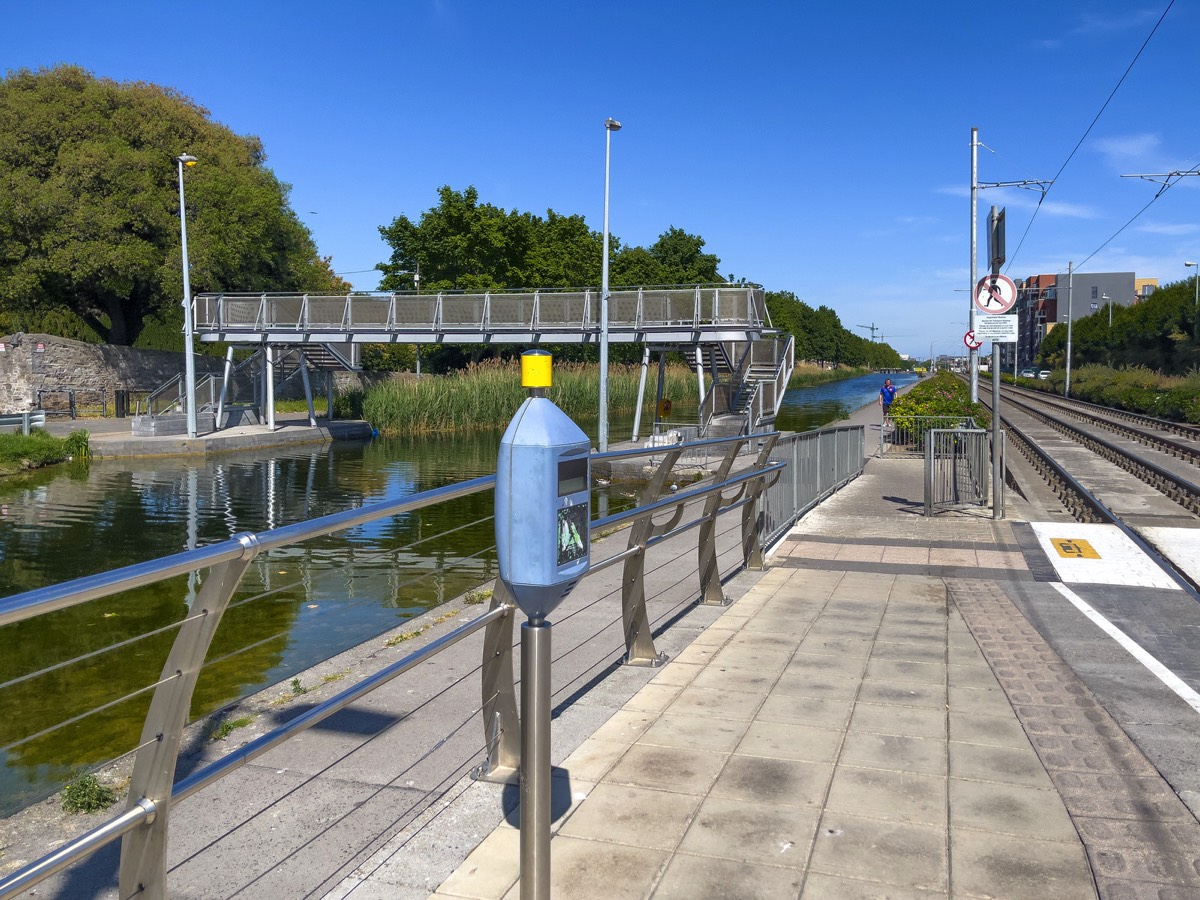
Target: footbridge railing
{"x":686,"y":313}
{"x":793,"y":473}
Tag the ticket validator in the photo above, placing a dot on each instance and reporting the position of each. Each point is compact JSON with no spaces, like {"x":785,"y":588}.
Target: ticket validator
{"x":543,"y":513}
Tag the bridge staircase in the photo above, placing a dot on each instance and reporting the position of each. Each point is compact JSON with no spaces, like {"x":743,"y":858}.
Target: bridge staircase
{"x":748,"y":381}
{"x":239,"y":396}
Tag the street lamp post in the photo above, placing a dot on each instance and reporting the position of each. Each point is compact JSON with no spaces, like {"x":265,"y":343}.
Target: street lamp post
{"x":189,"y":363}
{"x":1108,"y":300}
{"x":1196,"y":318}
{"x":610,"y":125}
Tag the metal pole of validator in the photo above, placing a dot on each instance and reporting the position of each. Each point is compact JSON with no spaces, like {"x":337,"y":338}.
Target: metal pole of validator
{"x":535,"y":760}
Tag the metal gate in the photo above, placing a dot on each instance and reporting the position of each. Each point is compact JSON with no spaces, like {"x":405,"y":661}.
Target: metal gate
{"x":957,"y":463}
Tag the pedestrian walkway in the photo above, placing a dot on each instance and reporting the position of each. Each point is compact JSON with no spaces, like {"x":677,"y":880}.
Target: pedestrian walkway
{"x":875,"y":718}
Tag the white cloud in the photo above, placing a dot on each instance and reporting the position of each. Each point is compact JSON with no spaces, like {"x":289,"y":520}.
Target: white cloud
{"x":1128,"y":147}
{"x":1168,"y":229}
{"x":954,"y":191}
{"x":1069,"y":210}
{"x":1093,"y":23}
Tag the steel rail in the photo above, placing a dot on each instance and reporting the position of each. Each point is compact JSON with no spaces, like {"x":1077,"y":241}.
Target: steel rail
{"x":1182,"y":429}
{"x":1187,"y":452}
{"x":1100,"y":510}
{"x":1182,"y":491}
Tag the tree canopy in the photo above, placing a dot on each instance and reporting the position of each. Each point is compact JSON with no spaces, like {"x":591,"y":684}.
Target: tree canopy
{"x":821,"y":337}
{"x":89,"y":207}
{"x":467,"y":245}
{"x":1159,"y":332}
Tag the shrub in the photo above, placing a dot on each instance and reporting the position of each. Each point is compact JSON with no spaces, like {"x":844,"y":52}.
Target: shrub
{"x":86,"y":794}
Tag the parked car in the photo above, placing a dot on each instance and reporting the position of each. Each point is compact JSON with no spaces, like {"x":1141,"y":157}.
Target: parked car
{"x":1044,"y":374}
{"x":1028,"y":373}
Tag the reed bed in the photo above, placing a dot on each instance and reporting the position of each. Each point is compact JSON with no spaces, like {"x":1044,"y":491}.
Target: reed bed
{"x":486,"y":396}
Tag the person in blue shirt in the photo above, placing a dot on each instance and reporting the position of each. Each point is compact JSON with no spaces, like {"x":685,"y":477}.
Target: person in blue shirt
{"x":887,"y":394}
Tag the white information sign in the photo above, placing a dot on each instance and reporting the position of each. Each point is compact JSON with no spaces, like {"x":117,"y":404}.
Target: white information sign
{"x":997,"y":329}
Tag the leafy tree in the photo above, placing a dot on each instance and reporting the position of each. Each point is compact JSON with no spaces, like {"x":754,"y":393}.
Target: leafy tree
{"x":89,"y":206}
{"x":675,"y":258}
{"x":1157,"y":333}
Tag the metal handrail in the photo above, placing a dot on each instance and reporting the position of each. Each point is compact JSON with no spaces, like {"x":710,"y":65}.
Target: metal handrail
{"x":643,"y":310}
{"x":142,"y":827}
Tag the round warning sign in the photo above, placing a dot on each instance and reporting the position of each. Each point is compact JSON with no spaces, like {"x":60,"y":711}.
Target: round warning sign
{"x":995,"y":294}
{"x":971,"y":341}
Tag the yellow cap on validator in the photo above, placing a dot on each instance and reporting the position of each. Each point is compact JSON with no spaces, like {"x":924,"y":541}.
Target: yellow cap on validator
{"x":535,"y":369}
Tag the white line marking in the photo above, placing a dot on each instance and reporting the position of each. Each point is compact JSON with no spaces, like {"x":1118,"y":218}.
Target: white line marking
{"x":1165,"y":675}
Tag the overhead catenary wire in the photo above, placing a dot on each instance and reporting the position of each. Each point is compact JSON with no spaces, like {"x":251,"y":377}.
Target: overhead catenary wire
{"x":1088,"y":131}
{"x":1162,"y":190}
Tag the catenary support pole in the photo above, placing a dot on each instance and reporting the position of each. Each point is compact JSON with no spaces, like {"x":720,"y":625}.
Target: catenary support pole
{"x":973,"y":353}
{"x":1070,"y":322}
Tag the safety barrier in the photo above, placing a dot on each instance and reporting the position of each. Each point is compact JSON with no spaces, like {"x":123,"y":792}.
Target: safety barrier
{"x":819,"y":463}
{"x":957,"y":468}
{"x":33,"y":418}
{"x":661,"y":514}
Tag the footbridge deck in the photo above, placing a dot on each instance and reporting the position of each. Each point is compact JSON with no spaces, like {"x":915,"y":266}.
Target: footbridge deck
{"x":677,"y":315}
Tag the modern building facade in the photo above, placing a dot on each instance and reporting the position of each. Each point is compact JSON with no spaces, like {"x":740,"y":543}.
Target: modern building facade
{"x":1044,"y":301}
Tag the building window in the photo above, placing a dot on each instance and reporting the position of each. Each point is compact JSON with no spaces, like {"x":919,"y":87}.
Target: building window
{"x":1095,"y":292}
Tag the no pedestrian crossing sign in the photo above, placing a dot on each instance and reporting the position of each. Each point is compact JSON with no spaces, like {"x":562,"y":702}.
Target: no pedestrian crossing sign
{"x":995,"y":294}
{"x":997,"y":329}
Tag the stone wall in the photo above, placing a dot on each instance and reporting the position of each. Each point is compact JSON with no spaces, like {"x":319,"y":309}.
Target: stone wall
{"x":30,"y":363}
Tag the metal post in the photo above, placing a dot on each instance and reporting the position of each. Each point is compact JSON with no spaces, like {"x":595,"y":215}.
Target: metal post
{"x":189,"y":364}
{"x":535,"y":760}
{"x":1070,"y":287}
{"x":637,"y":413}
{"x":997,"y":479}
{"x":610,"y":125}
{"x":269,"y":386}
{"x":973,"y":354}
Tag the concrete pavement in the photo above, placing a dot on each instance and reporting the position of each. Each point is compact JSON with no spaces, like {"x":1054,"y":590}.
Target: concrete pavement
{"x":874,"y":718}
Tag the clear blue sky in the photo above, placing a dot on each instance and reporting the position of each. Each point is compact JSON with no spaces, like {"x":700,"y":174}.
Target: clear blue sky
{"x":821,"y":148}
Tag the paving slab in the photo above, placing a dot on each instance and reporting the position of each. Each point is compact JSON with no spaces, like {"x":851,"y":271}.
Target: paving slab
{"x":886,"y":723}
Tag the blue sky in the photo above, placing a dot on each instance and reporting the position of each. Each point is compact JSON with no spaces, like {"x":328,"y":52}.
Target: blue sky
{"x":821,"y":148}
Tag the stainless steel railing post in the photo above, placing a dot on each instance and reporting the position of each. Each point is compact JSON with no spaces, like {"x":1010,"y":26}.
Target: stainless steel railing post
{"x":144,"y":850}
{"x":639,"y":644}
{"x":711,"y":593}
{"x":501,"y":725}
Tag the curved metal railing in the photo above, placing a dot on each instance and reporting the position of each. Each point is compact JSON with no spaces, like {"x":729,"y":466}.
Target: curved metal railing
{"x":142,"y":826}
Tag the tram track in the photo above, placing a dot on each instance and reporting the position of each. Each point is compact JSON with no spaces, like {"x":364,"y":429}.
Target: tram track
{"x":1160,"y":434}
{"x":1101,"y":480}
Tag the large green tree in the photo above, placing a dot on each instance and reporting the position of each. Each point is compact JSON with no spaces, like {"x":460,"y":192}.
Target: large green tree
{"x":89,"y":206}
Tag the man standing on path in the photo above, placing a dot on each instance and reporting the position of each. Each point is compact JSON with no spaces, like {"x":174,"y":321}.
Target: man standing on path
{"x":887,"y":394}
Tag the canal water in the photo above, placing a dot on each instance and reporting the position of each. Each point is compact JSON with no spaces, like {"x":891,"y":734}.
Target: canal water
{"x":295,"y":607}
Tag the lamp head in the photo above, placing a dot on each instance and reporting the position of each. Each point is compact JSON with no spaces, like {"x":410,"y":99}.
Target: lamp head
{"x":1189,"y":264}
{"x":187,"y":160}
{"x":612,"y":124}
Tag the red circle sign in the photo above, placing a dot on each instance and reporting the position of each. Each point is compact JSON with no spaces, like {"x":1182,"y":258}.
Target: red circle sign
{"x":995,"y":294}
{"x":971,"y":341}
